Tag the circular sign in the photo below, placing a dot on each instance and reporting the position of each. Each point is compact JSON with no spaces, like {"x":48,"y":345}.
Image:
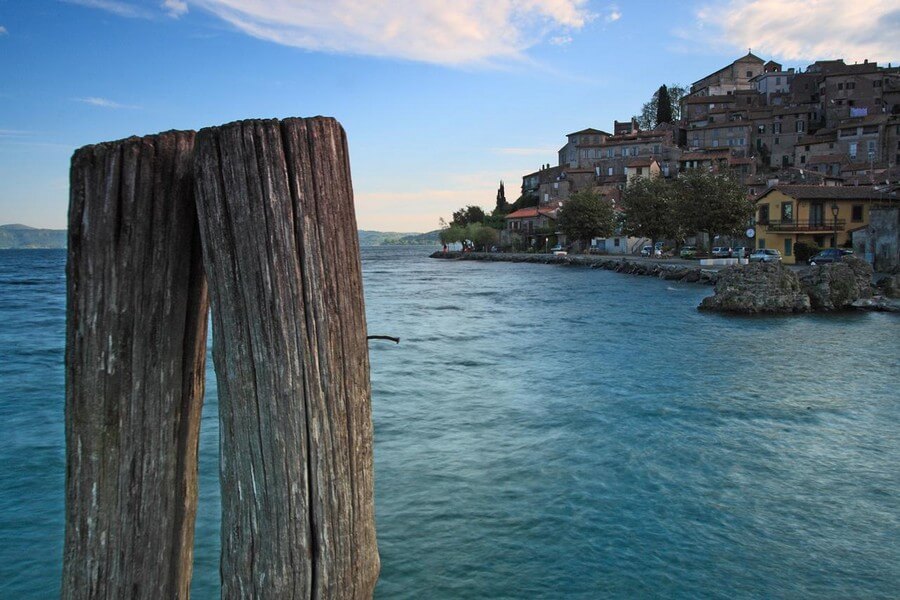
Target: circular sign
{"x":750,"y":233}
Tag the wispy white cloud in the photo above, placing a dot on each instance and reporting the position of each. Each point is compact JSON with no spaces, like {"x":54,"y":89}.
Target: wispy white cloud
{"x":103,"y":102}
{"x":15,"y":133}
{"x":804,"y":30}
{"x":612,"y":14}
{"x":3,"y":30}
{"x":116,"y":7}
{"x":175,"y":8}
{"x":432,"y":31}
{"x":561,"y":40}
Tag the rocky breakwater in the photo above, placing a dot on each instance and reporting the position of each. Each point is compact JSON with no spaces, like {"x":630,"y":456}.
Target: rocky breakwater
{"x":757,"y":288}
{"x":774,"y":288}
{"x":663,"y":270}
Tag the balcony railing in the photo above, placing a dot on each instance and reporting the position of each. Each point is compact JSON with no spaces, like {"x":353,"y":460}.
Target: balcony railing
{"x":809,"y":225}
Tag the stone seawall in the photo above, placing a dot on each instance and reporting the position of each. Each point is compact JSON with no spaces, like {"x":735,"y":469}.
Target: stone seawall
{"x":630,"y":266}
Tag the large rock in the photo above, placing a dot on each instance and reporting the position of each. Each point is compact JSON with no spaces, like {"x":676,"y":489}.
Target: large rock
{"x":837,"y":286}
{"x":757,"y":288}
{"x":890,"y":286}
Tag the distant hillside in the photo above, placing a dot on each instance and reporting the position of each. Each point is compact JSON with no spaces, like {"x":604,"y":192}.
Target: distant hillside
{"x":432,"y":238}
{"x":22,"y":236}
{"x":393,"y":238}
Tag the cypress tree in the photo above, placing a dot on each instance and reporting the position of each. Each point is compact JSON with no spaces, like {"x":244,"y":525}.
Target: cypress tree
{"x":663,"y":105}
{"x":502,"y":205}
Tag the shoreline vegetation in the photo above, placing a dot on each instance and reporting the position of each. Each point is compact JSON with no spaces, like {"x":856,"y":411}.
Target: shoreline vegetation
{"x":757,"y":288}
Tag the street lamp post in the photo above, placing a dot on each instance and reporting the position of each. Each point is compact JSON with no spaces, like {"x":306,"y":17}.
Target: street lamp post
{"x":834,"y":213}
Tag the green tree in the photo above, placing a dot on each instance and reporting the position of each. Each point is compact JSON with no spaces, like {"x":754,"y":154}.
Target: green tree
{"x":453,"y":234}
{"x":712,"y":203}
{"x":586,"y":215}
{"x":663,"y":105}
{"x":483,"y":236}
{"x":648,"y":117}
{"x":467,"y":215}
{"x":524,"y":201}
{"x":497,"y":221}
{"x":650,"y":209}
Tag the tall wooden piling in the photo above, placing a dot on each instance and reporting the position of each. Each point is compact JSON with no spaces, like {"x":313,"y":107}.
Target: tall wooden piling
{"x":289,"y":343}
{"x":135,"y":352}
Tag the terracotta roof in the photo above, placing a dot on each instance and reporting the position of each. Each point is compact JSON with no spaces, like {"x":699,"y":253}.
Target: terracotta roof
{"x":641,"y":161}
{"x":737,"y":160}
{"x":857,"y":121}
{"x":826,"y":192}
{"x":715,"y":155}
{"x":817,"y":139}
{"x":531,"y":212}
{"x":827,"y":159}
{"x":709,"y":99}
{"x":589,"y":130}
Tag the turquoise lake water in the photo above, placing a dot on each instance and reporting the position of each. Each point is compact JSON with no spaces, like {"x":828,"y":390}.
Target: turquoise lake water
{"x":548,"y":432}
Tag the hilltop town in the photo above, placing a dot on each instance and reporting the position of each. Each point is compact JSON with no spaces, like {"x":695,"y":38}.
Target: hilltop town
{"x":816,"y":151}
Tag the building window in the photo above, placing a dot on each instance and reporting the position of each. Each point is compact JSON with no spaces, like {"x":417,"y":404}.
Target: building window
{"x":760,"y":129}
{"x":800,"y":126}
{"x":776,"y":141}
{"x":640,"y":170}
{"x":840,"y":86}
{"x":763,"y":216}
{"x":788,"y":246}
{"x":851,"y":85}
{"x":852,"y":152}
{"x":803,"y":159}
{"x":871,"y":149}
{"x":762,"y":243}
{"x":749,"y":73}
{"x":609,"y":152}
{"x":787,"y":211}
{"x":609,"y":171}
{"x":857,"y":213}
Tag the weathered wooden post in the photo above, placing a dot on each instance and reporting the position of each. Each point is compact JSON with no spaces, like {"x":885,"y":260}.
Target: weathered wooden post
{"x":135,"y":353}
{"x":289,"y":342}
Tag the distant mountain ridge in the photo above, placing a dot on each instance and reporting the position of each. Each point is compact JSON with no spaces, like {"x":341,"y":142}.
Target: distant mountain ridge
{"x":390,"y":238}
{"x":19,"y":237}
{"x":16,"y":237}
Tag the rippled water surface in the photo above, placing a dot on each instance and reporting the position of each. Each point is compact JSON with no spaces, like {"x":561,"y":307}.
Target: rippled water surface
{"x":547,"y":431}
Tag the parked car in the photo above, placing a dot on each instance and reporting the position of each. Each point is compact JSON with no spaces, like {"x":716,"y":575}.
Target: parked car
{"x":766,"y":255}
{"x":740,"y":252}
{"x":688,"y":252}
{"x":721,"y":252}
{"x":829,"y":255}
{"x":558,"y":250}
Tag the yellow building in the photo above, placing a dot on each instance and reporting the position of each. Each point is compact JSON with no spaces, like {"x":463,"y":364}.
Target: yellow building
{"x":820,"y":215}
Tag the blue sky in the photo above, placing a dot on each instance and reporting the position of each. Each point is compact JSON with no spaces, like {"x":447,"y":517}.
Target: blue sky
{"x":440,"y":99}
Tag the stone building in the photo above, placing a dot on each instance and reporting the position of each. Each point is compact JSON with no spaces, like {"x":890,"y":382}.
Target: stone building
{"x":738,"y":75}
